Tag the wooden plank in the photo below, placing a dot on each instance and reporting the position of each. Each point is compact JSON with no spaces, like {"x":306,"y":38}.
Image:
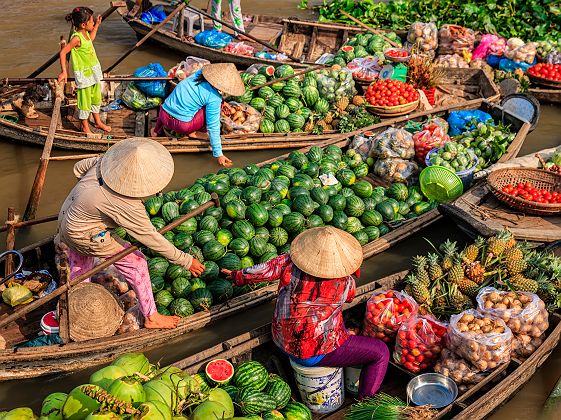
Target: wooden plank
{"x":140,"y":124}
{"x":312,"y":44}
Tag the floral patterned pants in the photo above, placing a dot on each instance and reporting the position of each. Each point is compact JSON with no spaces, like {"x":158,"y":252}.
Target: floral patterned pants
{"x":235,"y":12}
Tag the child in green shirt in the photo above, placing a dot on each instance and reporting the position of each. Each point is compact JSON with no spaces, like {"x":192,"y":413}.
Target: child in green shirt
{"x":85,"y":65}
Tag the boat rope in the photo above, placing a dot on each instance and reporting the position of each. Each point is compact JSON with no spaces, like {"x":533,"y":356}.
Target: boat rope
{"x":10,"y":118}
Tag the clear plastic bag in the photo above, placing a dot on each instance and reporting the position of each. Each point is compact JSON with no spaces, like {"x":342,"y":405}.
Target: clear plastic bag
{"x":366,"y":68}
{"x":133,"y":320}
{"x":523,"y":345}
{"x":459,"y":370}
{"x":386,"y":312}
{"x":362,"y":144}
{"x":240,"y":48}
{"x":237,"y":118}
{"x":453,"y":61}
{"x":393,"y":143}
{"x":524,"y":313}
{"x":419,"y":343}
{"x":335,"y":84}
{"x":554,"y":57}
{"x":489,"y":44}
{"x":138,"y":101}
{"x":432,"y":135}
{"x":213,"y":39}
{"x":482,"y":340}
{"x":156,"y":88}
{"x":520,"y":52}
{"x":455,"y":39}
{"x":396,"y":170}
{"x":187,"y":67}
{"x":423,"y":36}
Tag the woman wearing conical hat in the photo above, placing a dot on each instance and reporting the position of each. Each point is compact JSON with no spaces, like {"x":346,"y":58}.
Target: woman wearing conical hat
{"x":107,"y":195}
{"x":196,"y":101}
{"x":315,"y":282}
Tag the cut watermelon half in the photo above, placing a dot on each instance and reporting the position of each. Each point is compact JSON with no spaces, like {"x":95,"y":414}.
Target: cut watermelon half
{"x":219,"y":371}
{"x":268,"y":71}
{"x":347,"y":48}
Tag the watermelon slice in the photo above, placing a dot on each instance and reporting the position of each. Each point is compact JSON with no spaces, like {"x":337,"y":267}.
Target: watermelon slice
{"x":268,"y":71}
{"x":347,"y":48}
{"x":219,"y":371}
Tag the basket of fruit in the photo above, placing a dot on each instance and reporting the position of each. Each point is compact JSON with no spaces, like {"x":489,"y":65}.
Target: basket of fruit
{"x":397,"y":55}
{"x":529,"y":190}
{"x":391,"y":98}
{"x":455,"y":157}
{"x":545,"y":74}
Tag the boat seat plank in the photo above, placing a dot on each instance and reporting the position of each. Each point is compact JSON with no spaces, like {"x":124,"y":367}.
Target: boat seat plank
{"x":268,"y":32}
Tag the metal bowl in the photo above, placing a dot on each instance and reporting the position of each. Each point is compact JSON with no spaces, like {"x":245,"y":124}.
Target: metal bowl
{"x":432,"y":388}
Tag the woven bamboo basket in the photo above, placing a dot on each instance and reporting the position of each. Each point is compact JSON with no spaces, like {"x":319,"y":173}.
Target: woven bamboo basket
{"x":539,"y":178}
{"x":543,"y":81}
{"x":393,"y":111}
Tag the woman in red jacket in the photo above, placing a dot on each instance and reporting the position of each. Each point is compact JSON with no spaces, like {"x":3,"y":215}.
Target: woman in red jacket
{"x":315,"y":282}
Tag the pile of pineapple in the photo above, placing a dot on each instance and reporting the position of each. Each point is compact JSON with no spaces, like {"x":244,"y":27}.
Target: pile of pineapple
{"x":446,"y":282}
{"x":344,"y":109}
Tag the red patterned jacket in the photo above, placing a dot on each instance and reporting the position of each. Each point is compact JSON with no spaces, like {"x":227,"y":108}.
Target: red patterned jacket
{"x":308,"y":318}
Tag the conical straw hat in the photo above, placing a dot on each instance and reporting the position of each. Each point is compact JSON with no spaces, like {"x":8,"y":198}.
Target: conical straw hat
{"x":224,"y":77}
{"x":326,"y":252}
{"x":137,"y":167}
{"x":94,"y":312}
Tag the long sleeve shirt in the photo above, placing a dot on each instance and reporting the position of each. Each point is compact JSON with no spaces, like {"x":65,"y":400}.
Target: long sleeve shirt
{"x":91,"y":209}
{"x":308,"y":317}
{"x":188,"y":98}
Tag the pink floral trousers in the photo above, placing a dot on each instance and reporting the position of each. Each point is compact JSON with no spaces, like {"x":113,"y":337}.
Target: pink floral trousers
{"x":133,"y":267}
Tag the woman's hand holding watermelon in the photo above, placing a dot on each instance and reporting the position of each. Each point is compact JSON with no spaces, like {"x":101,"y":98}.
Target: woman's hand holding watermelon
{"x":196,"y":268}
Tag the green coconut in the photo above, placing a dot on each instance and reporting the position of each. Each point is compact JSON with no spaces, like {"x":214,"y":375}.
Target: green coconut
{"x":133,"y":363}
{"x":183,"y":383}
{"x":78,"y":405}
{"x":153,"y":410}
{"x":22,"y":413}
{"x":209,"y":410}
{"x":104,"y":377}
{"x":52,"y":405}
{"x":159,"y":390}
{"x":222,"y":397}
{"x":106,"y":415}
{"x":128,"y":389}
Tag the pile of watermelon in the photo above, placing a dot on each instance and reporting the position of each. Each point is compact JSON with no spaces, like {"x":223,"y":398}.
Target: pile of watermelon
{"x":363,"y":45}
{"x":287,"y":105}
{"x":262,"y":210}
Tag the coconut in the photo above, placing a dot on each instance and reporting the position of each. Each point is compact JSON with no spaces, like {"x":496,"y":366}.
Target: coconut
{"x":128,"y":389}
{"x":22,"y":413}
{"x":183,"y":383}
{"x":78,"y":405}
{"x":106,"y":415}
{"x":104,"y":377}
{"x":223,"y":398}
{"x":133,"y":363}
{"x":154,"y":410}
{"x":209,"y":410}
{"x":160,"y":390}
{"x":52,"y":405}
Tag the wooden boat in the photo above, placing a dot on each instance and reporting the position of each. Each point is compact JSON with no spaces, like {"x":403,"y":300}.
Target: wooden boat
{"x":546,"y":95}
{"x":476,"y":403}
{"x":16,"y":363}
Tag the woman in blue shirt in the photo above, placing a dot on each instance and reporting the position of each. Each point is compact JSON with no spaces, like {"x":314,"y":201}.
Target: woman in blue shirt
{"x":196,"y":102}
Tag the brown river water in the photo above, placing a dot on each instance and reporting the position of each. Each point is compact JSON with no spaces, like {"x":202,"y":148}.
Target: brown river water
{"x":30,"y":31}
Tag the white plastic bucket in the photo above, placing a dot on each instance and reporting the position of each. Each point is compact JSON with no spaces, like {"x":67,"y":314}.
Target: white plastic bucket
{"x":321,"y":388}
{"x":352,"y":376}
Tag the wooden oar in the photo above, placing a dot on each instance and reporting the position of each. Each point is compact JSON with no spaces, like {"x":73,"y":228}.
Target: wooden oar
{"x":39,"y":182}
{"x":147,"y":36}
{"x":233,"y":28}
{"x":114,"y":6}
{"x":298,"y":73}
{"x":25,"y":80}
{"x":18,"y":313}
{"x":374,"y":31}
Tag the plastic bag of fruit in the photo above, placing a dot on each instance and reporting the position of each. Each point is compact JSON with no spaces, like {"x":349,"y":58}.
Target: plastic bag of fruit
{"x":240,"y":48}
{"x":419,"y":343}
{"x":237,"y":118}
{"x":489,"y":44}
{"x":187,"y":67}
{"x":423,"y":36}
{"x":520,"y":52}
{"x":459,"y":370}
{"x":362,"y":143}
{"x":462,"y":121}
{"x":366,"y":68}
{"x":454,"y":61}
{"x":523,"y":345}
{"x":434,"y":134}
{"x":524,"y":313}
{"x":554,"y":57}
{"x":455,"y":39}
{"x":386,"y":312}
{"x":393,"y":143}
{"x":482,"y":340}
{"x":397,"y":170}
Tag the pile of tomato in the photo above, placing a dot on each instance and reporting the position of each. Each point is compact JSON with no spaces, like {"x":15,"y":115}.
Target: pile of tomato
{"x":385,"y":313}
{"x":527,"y":191}
{"x":419,"y":343}
{"x":390,"y":93}
{"x":396,"y":53}
{"x":546,"y":71}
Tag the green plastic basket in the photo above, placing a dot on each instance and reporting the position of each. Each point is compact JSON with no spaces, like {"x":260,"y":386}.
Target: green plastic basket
{"x":440,"y":184}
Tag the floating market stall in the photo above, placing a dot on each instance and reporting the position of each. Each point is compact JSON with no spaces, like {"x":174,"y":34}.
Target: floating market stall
{"x":261,"y":208}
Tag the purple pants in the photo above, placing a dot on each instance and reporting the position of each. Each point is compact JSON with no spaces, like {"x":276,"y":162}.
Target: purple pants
{"x":372,"y":353}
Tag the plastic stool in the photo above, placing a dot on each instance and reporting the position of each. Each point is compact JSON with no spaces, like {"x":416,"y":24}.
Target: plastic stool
{"x":190,"y":18}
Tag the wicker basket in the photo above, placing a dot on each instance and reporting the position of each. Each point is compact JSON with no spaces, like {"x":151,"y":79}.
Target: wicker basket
{"x":393,"y":111}
{"x":543,"y":81}
{"x":397,"y":59}
{"x":539,"y":178}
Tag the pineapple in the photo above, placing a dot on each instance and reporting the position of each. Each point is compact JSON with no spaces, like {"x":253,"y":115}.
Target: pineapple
{"x":448,"y":248}
{"x":328,"y":117}
{"x":508,"y":237}
{"x":322,"y":124}
{"x":468,"y":287}
{"x":358,"y":100}
{"x":438,"y":296}
{"x":435,"y":271}
{"x":342,"y":103}
{"x":496,"y":246}
{"x":309,"y":125}
{"x":514,"y":260}
{"x":524,"y":284}
{"x":475,"y":272}
{"x":456,"y":273}
{"x":419,"y":291}
{"x":471,"y":252}
{"x":420,"y":263}
{"x":546,"y":290}
{"x":457,"y":299}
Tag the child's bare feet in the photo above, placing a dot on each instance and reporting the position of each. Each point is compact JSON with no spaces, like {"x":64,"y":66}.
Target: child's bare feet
{"x":86,"y":127}
{"x":103,"y":127}
{"x":154,"y":133}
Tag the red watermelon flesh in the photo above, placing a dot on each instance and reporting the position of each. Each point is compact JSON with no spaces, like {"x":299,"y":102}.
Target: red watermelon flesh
{"x":219,"y":371}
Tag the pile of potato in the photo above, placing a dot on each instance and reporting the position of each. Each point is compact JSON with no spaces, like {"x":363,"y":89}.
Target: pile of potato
{"x":424,"y":36}
{"x":459,"y":370}
{"x":483,"y":341}
{"x":239,"y":118}
{"x":524,"y":313}
{"x":520,"y":52}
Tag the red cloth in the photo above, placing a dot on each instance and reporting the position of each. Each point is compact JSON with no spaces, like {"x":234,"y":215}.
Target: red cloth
{"x":308,"y":318}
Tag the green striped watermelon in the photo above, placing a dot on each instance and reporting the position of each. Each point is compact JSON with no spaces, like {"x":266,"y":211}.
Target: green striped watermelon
{"x":264,"y":93}
{"x":295,"y":121}
{"x":282,"y":111}
{"x":354,"y":206}
{"x":257,"y":246}
{"x":304,"y":204}
{"x":292,"y":103}
{"x":153,"y":205}
{"x":361,"y":236}
{"x":246,"y":97}
{"x":282,"y":126}
{"x":275,"y":217}
{"x":267,"y":126}
{"x":174,"y":271}
{"x":221,"y":290}
{"x":321,"y":106}
{"x":291,"y":91}
{"x":209,"y":223}
{"x":189,"y":226}
{"x":203,"y":236}
{"x":257,"y":215}
{"x":188,"y":205}
{"x":310,"y":95}
{"x":293,"y":222}
{"x":371,"y":218}
{"x":230,"y":261}
{"x":269,"y":113}
{"x":180,"y":287}
{"x":181,"y":307}
{"x":315,"y":154}
{"x":251,"y":374}
{"x":239,"y":246}
{"x":283,"y":71}
{"x":325,"y":212}
{"x":258,"y":79}
{"x":288,"y":171}
{"x":169,"y":211}
{"x":224,"y":236}
{"x":251,"y":401}
{"x":280,"y":391}
{"x":157,"y":266}
{"x":296,"y":411}
{"x":210,"y":273}
{"x":251,"y":195}
{"x":213,"y":250}
{"x":236,"y":209}
{"x":372,"y":232}
{"x":201,"y":299}
{"x":278,"y":236}
{"x":275,"y":101}
{"x":243,"y":229}
{"x":258,"y":103}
